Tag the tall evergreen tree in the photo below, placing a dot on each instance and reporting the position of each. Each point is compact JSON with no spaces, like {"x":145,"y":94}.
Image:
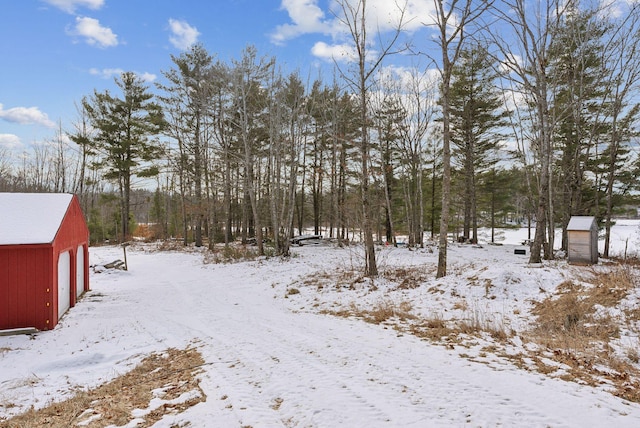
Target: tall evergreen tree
{"x":477,"y":114}
{"x":577,"y":69}
{"x":187,"y":103}
{"x":388,"y":118}
{"x":125,"y":138}
{"x":498,"y":194}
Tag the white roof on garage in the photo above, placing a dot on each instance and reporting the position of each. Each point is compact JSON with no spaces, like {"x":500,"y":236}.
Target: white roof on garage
{"x":31,"y":218}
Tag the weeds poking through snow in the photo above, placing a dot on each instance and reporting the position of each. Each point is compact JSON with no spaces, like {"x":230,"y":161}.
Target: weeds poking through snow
{"x":383,"y":311}
{"x":577,"y":327}
{"x":479,"y":321}
{"x":571,"y":333}
{"x":231,"y":254}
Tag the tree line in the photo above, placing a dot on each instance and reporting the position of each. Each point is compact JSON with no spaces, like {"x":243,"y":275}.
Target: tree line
{"x":526,"y":113}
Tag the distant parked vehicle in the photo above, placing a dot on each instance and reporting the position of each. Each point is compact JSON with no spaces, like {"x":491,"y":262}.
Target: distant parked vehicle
{"x":306,"y":240}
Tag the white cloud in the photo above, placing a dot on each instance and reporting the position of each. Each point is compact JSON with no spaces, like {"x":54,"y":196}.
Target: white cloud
{"x":70,"y":6}
{"x":184,"y":35}
{"x":10,"y":141}
{"x":410,"y":78}
{"x":147,"y":77}
{"x":511,"y":63}
{"x":26,"y":116}
{"x":514,"y":99}
{"x":338,"y":52}
{"x":383,"y":16}
{"x":614,"y":8}
{"x":108,"y":73}
{"x":306,"y":17}
{"x":94,"y":33}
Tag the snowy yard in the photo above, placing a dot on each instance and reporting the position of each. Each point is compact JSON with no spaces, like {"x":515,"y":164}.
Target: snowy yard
{"x":284,"y":343}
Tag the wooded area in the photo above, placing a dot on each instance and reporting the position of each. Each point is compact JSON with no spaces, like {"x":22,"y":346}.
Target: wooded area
{"x":524,"y":113}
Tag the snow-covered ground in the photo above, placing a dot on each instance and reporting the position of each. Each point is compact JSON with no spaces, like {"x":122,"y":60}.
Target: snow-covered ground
{"x":275,"y":358}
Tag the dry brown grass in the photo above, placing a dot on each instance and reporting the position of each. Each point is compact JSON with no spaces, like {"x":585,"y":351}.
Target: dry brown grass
{"x":292,"y":292}
{"x":386,"y":310}
{"x":434,"y":329}
{"x":407,"y":277}
{"x":382,"y":311}
{"x":171,"y":245}
{"x":571,"y":317}
{"x":277,"y":402}
{"x":174,"y":372}
{"x":632,"y":314}
{"x":230,"y":254}
{"x":338,"y":280}
{"x":477,"y":322}
{"x":576,"y":332}
{"x":633,"y":354}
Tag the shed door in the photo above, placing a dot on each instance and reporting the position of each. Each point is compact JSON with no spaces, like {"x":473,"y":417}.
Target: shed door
{"x":64,"y":283}
{"x":80,"y":271}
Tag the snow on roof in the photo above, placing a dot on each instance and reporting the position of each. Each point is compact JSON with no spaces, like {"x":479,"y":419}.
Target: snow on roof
{"x":31,"y":218}
{"x":580,"y":222}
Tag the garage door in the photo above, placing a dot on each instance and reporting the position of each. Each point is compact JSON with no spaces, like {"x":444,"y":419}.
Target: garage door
{"x":80,"y":271}
{"x":64,"y":283}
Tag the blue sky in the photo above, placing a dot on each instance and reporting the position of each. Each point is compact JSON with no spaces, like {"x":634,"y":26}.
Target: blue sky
{"x":54,"y":52}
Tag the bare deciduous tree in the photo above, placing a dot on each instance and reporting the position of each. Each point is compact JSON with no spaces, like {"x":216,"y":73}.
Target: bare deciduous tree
{"x":82,"y":136}
{"x":418,"y":100}
{"x":248,"y":76}
{"x":526,"y":54}
{"x":623,"y":62}
{"x":453,"y":22}
{"x":354,"y":18}
{"x":286,"y":141}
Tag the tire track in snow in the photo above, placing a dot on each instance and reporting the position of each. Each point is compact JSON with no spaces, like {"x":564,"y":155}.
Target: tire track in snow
{"x":266,"y":375}
{"x":415,"y":386}
{"x":310,"y":368}
{"x":280,"y":368}
{"x":234,"y":376}
{"x":375,"y":387}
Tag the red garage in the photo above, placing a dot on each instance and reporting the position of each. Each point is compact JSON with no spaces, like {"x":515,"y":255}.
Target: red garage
{"x":44,"y":258}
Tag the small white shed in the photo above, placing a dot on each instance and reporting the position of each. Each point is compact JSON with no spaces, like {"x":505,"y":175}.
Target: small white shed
{"x":582,"y":232}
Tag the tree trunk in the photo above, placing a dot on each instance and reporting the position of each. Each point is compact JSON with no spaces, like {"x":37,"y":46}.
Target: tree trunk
{"x":545,"y":160}
{"x":446,"y":168}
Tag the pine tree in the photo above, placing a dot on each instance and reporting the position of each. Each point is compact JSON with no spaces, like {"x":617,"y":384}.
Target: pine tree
{"x":126,"y":128}
{"x":576,"y":67}
{"x":476,"y":116}
{"x":388,"y":118}
{"x":187,"y":101}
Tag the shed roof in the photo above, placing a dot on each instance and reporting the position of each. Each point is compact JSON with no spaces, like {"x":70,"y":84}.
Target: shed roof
{"x":31,"y":218}
{"x":581,"y":222}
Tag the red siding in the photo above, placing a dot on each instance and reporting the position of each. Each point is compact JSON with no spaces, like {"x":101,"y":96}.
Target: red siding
{"x":26,"y":291}
{"x":29,"y":274}
{"x":73,"y":232}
